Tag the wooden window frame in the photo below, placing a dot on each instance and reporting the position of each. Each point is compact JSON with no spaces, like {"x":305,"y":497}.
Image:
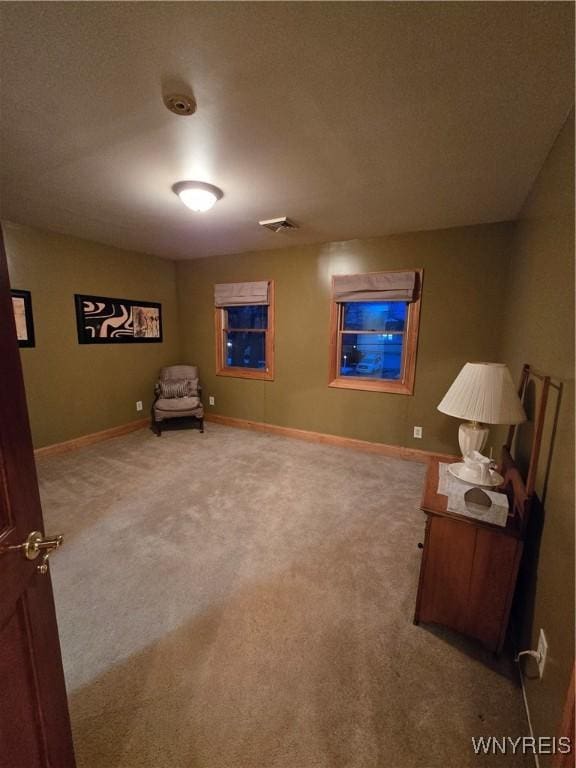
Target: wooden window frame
{"x":402,"y":386}
{"x":266,"y":374}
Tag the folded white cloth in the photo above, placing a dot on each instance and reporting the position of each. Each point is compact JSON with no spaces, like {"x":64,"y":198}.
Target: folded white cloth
{"x":455,"y":489}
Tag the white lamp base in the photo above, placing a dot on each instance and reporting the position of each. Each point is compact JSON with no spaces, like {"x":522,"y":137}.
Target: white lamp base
{"x":472,"y":436}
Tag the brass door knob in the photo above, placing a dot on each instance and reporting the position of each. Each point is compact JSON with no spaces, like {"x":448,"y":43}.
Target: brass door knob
{"x":37,"y":544}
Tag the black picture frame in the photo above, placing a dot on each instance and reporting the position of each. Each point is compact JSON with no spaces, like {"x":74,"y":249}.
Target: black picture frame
{"x":22,"y":306}
{"x":118,"y":318}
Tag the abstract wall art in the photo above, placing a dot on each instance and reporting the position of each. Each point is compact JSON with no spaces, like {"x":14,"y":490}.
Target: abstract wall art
{"x":22,"y":306}
{"x":102,"y":320}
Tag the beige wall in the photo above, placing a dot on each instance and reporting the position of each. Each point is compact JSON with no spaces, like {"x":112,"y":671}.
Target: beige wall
{"x":539,"y":329}
{"x":75,"y":389}
{"x":464,"y":274}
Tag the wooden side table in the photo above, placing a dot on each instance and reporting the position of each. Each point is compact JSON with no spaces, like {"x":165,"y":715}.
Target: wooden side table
{"x":469,"y":568}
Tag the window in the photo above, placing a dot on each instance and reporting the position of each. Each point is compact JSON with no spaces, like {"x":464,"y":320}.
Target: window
{"x":245,"y":330}
{"x":374,"y":331}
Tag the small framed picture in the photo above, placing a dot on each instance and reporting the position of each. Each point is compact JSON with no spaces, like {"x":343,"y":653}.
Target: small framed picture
{"x":103,"y":320}
{"x":22,"y":306}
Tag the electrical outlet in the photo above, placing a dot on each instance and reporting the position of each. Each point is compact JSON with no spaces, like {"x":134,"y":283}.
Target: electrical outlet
{"x":139,"y":405}
{"x":542,"y":652}
{"x":211,"y":400}
{"x":418,"y":432}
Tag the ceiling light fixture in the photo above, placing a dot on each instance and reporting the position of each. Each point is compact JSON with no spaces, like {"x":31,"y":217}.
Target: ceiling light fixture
{"x":197,"y":195}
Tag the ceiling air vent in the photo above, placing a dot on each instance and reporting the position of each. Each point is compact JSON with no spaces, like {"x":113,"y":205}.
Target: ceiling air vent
{"x":283,"y":224}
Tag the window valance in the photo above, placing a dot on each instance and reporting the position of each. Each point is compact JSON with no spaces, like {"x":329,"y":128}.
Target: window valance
{"x":376,"y":286}
{"x":239,"y":294}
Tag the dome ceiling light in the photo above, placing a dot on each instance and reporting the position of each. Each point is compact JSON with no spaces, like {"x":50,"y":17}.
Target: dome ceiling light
{"x":197,"y":195}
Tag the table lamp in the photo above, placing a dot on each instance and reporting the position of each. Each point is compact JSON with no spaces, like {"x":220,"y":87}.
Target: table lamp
{"x":483,"y":393}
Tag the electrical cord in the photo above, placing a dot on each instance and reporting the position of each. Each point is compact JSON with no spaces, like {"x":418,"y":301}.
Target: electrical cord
{"x":534,"y":654}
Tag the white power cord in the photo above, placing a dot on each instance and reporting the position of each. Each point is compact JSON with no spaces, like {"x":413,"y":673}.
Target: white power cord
{"x":535,"y":655}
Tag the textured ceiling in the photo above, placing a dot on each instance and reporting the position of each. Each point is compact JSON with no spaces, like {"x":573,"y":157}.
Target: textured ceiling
{"x":354,"y":119}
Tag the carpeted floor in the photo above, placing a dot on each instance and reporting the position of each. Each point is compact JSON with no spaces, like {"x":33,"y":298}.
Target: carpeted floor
{"x":241,"y":600}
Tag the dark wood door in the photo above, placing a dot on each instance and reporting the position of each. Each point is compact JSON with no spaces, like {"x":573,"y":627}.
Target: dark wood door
{"x":34,"y":721}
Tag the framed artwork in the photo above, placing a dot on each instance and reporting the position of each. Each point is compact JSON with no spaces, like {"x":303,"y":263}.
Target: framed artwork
{"x":22,"y":306}
{"x":102,"y":320}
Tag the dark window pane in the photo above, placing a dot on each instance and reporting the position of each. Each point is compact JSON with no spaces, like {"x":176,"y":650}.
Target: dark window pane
{"x":372,"y":355}
{"x":245,"y":350}
{"x":252,"y":316}
{"x":374,"y":315}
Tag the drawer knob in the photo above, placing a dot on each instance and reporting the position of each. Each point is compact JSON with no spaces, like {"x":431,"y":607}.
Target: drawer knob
{"x":420,"y":545}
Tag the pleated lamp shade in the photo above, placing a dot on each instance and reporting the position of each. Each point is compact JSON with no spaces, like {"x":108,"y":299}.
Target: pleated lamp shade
{"x":484,"y":392}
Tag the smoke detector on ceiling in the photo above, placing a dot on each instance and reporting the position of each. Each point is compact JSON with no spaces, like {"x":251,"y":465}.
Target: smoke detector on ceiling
{"x":181,"y":104}
{"x":282,"y":224}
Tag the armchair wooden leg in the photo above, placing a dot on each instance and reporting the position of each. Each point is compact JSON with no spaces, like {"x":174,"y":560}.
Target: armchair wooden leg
{"x":202,"y":425}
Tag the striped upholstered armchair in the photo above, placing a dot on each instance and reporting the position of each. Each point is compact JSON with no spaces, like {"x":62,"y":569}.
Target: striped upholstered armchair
{"x":177,"y":396}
